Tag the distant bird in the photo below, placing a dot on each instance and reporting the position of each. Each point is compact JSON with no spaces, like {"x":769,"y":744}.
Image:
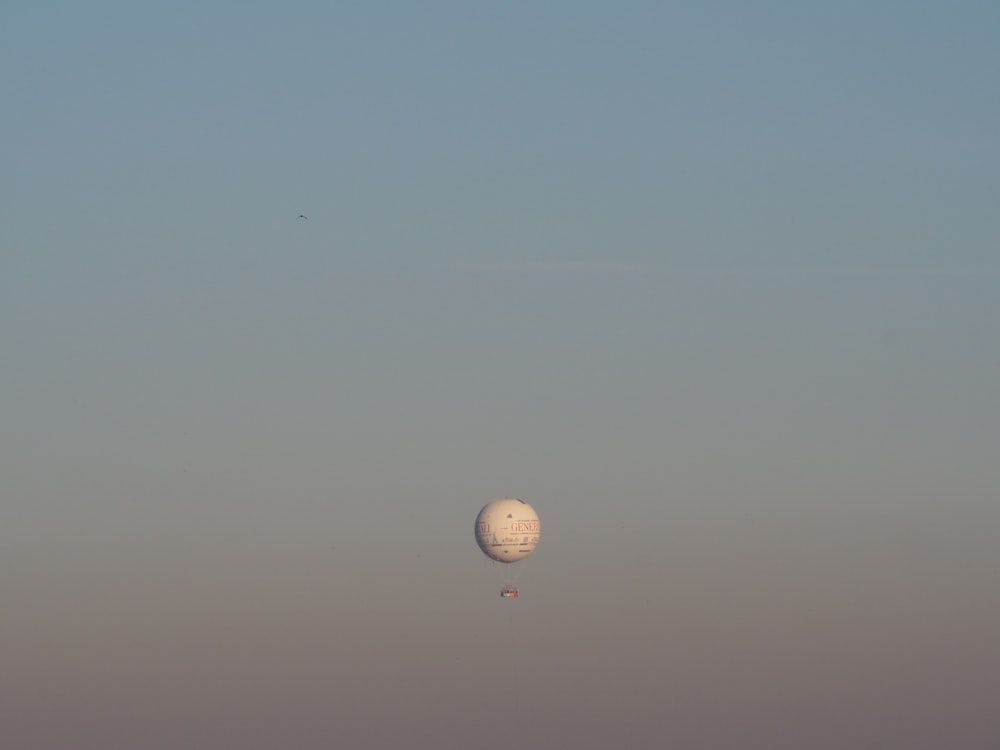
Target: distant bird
{"x":302,"y":216}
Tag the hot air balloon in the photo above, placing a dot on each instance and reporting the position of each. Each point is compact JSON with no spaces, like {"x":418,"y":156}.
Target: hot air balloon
{"x":507,"y":530}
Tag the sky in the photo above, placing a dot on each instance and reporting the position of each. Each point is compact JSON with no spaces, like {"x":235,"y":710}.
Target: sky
{"x":713,"y":286}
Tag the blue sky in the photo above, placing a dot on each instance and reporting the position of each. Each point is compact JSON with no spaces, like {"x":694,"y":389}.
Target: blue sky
{"x":714,"y":287}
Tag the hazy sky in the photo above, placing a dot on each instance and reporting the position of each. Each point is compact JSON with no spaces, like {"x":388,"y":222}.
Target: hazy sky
{"x":714,"y":286}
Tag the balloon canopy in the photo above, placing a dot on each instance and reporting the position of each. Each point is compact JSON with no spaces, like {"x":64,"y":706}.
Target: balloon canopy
{"x":507,"y":530}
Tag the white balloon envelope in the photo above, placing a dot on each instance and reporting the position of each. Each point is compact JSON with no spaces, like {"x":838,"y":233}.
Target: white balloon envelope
{"x":507,"y":530}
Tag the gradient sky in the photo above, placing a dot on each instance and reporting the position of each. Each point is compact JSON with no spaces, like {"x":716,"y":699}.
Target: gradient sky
{"x":714,"y":286}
